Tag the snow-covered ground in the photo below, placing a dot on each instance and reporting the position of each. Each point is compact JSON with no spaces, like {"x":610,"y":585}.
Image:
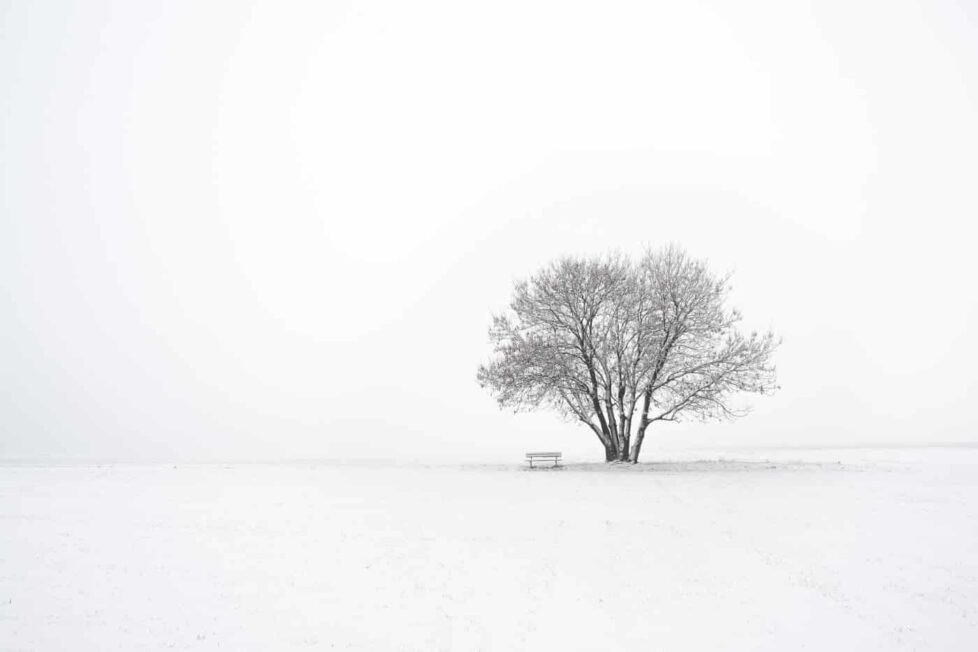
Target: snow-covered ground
{"x":755,"y":550}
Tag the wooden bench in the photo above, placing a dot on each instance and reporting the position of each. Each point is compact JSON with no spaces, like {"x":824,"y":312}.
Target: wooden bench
{"x":530,"y":457}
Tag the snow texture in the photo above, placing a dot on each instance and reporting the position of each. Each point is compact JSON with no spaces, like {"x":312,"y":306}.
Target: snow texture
{"x":763,"y":550}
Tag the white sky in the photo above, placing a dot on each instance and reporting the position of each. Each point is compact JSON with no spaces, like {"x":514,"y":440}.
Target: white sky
{"x":278,"y":230}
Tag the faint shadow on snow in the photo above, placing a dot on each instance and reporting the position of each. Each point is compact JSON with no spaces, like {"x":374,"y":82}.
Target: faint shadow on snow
{"x":696,"y":466}
{"x":712,"y":466}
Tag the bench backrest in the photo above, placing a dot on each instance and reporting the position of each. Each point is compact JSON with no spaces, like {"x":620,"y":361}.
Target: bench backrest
{"x":555,"y":454}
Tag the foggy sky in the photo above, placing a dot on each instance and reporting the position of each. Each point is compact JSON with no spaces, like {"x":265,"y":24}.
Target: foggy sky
{"x":278,"y":230}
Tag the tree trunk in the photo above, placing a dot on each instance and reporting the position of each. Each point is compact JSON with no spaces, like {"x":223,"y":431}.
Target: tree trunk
{"x":637,"y":443}
{"x":623,"y":447}
{"x":605,"y":439}
{"x":605,"y":433}
{"x":619,"y":449}
{"x":626,"y":429}
{"x":612,"y":423}
{"x":642,"y":425}
{"x":623,"y":434}
{"x":611,"y":449}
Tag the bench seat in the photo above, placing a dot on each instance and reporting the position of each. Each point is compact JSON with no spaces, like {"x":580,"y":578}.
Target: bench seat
{"x":553,"y":456}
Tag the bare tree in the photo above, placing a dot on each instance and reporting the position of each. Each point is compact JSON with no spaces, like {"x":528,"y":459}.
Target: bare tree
{"x":618,"y":346}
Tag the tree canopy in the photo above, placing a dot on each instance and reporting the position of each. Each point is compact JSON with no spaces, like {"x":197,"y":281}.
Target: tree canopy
{"x":619,"y":345}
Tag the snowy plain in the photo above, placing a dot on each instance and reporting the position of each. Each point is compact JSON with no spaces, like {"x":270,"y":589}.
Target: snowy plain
{"x":741,"y":550}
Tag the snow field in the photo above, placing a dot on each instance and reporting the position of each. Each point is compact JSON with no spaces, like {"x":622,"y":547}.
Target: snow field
{"x":764,"y":551}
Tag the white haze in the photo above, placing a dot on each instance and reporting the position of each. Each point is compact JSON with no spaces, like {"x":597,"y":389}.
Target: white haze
{"x":276,"y":230}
